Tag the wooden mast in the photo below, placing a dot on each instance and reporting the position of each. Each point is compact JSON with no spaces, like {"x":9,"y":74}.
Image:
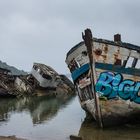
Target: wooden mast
{"x":89,"y":44}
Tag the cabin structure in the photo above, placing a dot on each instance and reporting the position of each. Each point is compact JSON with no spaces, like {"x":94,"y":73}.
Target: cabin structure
{"x":46,"y":76}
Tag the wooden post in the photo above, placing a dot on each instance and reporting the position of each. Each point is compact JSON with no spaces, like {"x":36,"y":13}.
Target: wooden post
{"x":88,"y":39}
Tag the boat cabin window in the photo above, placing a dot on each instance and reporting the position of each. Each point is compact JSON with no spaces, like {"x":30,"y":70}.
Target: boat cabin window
{"x":124,"y":63}
{"x":129,"y":62}
{"x":46,"y":76}
{"x":134,"y":62}
{"x":138,"y":64}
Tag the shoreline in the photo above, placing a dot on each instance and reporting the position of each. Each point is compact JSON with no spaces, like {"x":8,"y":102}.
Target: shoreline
{"x":11,"y":138}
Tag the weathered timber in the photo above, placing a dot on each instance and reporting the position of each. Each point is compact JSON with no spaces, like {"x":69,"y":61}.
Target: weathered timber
{"x":42,"y":78}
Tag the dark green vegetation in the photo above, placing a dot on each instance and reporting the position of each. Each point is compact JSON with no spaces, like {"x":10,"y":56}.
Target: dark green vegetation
{"x":13,"y":70}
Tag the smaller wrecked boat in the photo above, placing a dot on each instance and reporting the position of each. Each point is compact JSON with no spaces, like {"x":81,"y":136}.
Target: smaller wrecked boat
{"x":106,"y":75}
{"x":41,"y":81}
{"x":46,"y":76}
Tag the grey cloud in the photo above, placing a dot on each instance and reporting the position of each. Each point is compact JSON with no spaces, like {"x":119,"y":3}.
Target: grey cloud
{"x":44,"y":30}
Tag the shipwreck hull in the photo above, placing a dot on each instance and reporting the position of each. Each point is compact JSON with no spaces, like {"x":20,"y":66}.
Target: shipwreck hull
{"x":107,"y":78}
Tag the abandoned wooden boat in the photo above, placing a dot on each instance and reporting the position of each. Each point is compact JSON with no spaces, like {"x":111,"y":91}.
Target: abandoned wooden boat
{"x":46,"y":76}
{"x":106,"y":75}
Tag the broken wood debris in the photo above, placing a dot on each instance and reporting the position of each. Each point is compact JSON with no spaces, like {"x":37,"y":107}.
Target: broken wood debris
{"x":41,"y":77}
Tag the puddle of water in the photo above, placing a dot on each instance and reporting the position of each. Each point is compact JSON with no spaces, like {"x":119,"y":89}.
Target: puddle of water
{"x":40,"y":118}
{"x":43,"y":118}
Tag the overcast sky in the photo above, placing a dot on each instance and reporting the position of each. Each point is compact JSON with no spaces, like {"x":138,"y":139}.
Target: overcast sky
{"x":44,"y":30}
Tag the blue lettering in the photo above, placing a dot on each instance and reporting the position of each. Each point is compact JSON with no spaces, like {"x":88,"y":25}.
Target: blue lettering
{"x":112,"y":85}
{"x":103,"y":84}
